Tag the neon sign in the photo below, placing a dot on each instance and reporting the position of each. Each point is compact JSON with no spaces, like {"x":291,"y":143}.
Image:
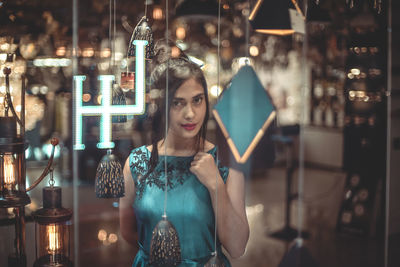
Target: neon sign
{"x":106,"y":110}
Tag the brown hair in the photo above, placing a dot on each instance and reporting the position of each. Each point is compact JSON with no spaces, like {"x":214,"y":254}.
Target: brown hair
{"x":179,"y":69}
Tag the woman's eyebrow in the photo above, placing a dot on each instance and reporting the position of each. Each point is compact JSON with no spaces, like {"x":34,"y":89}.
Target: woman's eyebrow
{"x":199,"y":95}
{"x":178,"y":99}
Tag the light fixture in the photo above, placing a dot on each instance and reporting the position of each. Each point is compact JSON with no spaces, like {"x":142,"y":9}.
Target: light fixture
{"x":157,"y":13}
{"x":13,"y":191}
{"x":142,"y":31}
{"x":12,"y":157}
{"x":281,"y":17}
{"x":317,"y":14}
{"x":193,"y":10}
{"x":52,"y":229}
{"x":109,"y":177}
{"x":244,"y":115}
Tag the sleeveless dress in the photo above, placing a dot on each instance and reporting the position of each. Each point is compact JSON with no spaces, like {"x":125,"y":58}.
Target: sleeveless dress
{"x":189,"y":207}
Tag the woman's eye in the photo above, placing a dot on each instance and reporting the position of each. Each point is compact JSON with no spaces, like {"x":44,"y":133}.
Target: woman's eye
{"x":177,"y":103}
{"x":198,"y":100}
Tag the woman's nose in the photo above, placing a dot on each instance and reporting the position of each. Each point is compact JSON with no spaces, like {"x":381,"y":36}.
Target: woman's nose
{"x":189,"y":112}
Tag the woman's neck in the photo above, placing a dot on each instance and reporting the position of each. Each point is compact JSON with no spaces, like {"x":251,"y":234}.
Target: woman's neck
{"x":177,"y":147}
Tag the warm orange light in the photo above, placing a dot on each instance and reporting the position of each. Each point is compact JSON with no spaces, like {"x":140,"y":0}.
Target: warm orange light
{"x":180,"y":33}
{"x":9,"y":171}
{"x":157,"y":13}
{"x":54,"y":239}
{"x":88,"y":52}
{"x":276,"y":32}
{"x":61,"y":51}
{"x":175,"y":52}
{"x":86,"y":97}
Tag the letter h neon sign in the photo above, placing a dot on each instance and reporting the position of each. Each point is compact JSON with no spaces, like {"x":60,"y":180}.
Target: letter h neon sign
{"x":106,"y":110}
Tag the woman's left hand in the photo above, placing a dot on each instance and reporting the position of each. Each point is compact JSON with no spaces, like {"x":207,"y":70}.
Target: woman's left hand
{"x":203,"y":166}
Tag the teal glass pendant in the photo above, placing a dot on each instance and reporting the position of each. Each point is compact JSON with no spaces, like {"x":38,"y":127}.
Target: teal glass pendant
{"x":214,"y":261}
{"x":165,"y":249}
{"x":244,"y":112}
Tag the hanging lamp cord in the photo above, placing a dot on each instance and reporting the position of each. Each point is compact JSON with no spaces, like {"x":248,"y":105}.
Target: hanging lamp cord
{"x":218,"y":92}
{"x":166,"y":113}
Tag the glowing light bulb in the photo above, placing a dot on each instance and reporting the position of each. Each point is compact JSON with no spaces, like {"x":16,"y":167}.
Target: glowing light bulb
{"x":54,"y":238}
{"x":9,"y":171}
{"x":157,"y":13}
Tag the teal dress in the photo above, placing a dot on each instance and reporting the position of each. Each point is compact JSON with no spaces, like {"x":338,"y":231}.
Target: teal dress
{"x":189,"y":207}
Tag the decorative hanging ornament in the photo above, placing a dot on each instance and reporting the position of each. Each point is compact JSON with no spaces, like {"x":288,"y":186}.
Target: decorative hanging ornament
{"x":214,"y":261}
{"x":109,"y":177}
{"x":142,"y":31}
{"x":118,"y":98}
{"x":165,"y":250}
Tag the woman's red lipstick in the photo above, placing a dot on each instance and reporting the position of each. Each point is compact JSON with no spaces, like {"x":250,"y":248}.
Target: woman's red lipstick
{"x":189,"y":126}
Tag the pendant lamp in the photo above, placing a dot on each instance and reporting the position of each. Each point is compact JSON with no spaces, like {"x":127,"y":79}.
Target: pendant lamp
{"x":142,"y":31}
{"x":214,"y":261}
{"x":197,"y":9}
{"x":52,"y":230}
{"x":317,"y":14}
{"x":298,"y":256}
{"x":244,"y":115}
{"x":118,"y":98}
{"x":279,"y":17}
{"x":165,"y":249}
{"x":109,"y":177}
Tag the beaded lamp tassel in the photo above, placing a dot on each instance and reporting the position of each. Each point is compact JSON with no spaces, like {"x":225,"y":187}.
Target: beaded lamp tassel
{"x":109,"y":177}
{"x":165,"y":249}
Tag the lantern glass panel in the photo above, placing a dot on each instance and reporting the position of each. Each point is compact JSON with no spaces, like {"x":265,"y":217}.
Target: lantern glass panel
{"x":53,"y":241}
{"x":12,"y":175}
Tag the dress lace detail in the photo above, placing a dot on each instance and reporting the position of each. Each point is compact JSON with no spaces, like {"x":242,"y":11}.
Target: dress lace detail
{"x":177,"y":170}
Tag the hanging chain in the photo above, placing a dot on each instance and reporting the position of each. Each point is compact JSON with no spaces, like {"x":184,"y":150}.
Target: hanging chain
{"x":51,"y":181}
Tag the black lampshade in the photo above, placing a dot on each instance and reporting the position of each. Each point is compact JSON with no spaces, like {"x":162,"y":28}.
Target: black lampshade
{"x":142,"y":31}
{"x":298,"y":256}
{"x":109,"y":178}
{"x":272,"y":17}
{"x":316,"y":13}
{"x":165,"y":250}
{"x":197,"y":9}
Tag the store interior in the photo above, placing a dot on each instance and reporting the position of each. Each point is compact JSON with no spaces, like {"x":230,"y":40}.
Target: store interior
{"x":322,"y":181}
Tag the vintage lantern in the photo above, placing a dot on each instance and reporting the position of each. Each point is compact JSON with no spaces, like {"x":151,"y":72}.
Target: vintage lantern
{"x":52,"y":229}
{"x":12,"y":161}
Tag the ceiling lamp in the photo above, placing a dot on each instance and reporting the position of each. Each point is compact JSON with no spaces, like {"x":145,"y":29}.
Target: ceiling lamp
{"x":197,"y":9}
{"x":279,"y":17}
{"x":316,"y":13}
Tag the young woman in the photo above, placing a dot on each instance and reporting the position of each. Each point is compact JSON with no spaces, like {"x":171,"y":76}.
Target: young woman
{"x":192,"y":175}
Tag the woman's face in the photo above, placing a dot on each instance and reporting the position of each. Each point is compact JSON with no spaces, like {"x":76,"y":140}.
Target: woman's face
{"x":188,"y":109}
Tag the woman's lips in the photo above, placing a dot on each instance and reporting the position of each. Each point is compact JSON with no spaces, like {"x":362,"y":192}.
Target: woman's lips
{"x":189,"y":126}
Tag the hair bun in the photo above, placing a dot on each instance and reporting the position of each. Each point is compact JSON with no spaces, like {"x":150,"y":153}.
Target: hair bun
{"x":167,"y":49}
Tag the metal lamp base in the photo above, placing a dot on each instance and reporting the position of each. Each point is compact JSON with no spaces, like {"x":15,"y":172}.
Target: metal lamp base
{"x":57,"y":260}
{"x":16,"y":199}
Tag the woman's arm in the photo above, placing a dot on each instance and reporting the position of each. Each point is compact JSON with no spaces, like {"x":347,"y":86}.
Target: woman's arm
{"x":127,"y":220}
{"x":233,"y":227}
